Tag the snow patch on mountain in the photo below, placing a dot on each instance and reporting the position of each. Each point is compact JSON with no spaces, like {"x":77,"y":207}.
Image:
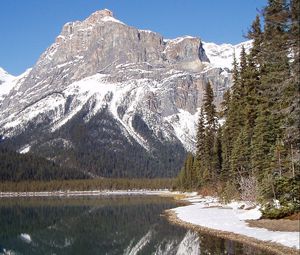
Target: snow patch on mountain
{"x":184,"y":124}
{"x":111,"y":19}
{"x":148,"y":90}
{"x":9,"y":82}
{"x":129,"y":94}
{"x":6,"y":83}
{"x":25,"y":149}
{"x":221,"y":55}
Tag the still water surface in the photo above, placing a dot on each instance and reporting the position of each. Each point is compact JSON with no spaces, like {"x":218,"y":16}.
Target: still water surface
{"x":124,"y":225}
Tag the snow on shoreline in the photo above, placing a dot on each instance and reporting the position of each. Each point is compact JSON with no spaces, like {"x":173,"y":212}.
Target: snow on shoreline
{"x":208,"y":212}
{"x":204,"y":211}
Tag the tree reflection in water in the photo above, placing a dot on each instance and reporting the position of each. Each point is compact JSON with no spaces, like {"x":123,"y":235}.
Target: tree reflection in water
{"x":103,"y":225}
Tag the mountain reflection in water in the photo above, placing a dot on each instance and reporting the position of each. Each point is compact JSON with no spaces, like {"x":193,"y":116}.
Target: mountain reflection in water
{"x":102,"y":225}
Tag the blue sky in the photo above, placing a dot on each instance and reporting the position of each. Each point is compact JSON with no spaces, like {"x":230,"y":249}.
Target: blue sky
{"x":28,"y":27}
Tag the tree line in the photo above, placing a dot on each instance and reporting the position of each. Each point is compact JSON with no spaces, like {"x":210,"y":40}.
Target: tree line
{"x":255,"y":152}
{"x":19,"y":167}
{"x":88,"y":184}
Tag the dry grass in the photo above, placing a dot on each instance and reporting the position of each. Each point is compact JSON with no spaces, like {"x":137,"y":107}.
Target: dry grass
{"x":179,"y":196}
{"x":212,"y":189}
{"x":276,"y":225}
{"x":295,"y":216}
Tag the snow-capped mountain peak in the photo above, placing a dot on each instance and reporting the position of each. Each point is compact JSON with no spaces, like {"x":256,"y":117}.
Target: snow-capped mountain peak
{"x":222,"y":55}
{"x":121,"y":101}
{"x":6,"y":83}
{"x":5,"y":76}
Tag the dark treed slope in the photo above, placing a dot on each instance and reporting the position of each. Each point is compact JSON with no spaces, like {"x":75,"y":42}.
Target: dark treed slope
{"x":19,"y":167}
{"x":260,"y":136}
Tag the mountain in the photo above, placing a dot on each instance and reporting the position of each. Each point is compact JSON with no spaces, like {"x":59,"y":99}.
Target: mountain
{"x":113,"y":100}
{"x":9,"y":82}
{"x":222,"y":55}
{"x":6,"y":83}
{"x":19,"y":167}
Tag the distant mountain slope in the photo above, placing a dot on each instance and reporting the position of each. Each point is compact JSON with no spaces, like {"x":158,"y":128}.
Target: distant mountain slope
{"x":113,"y":100}
{"x":222,"y":55}
{"x":17,"y":167}
{"x":9,"y":82}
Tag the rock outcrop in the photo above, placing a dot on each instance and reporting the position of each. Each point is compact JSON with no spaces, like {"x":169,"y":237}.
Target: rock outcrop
{"x":106,"y":89}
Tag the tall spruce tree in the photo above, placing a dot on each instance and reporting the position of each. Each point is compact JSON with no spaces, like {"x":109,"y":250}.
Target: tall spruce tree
{"x":200,"y":147}
{"x":230,"y":129}
{"x":209,"y":170}
{"x":260,"y":135}
{"x":256,"y":35}
{"x":274,"y":73}
{"x":217,"y":152}
{"x":210,"y":108}
{"x":186,"y":176}
{"x":291,"y":136}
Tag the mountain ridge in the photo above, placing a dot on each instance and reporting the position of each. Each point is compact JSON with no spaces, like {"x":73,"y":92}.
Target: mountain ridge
{"x":145,"y":103}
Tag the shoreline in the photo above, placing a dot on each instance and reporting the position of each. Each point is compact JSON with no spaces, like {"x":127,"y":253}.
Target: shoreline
{"x":72,"y":193}
{"x":183,"y":199}
{"x":275,"y":248}
{"x":175,"y":216}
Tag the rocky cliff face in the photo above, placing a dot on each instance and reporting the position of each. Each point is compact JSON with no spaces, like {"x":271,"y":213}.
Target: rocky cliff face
{"x":112,"y":99}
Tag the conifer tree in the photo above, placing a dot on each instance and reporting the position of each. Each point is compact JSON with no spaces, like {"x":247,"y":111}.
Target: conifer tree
{"x":217,"y":152}
{"x":210,"y":108}
{"x":255,"y":34}
{"x":200,"y":142}
{"x":291,"y":137}
{"x":230,"y":129}
{"x":260,"y":137}
{"x":186,"y":176}
{"x":209,"y":172}
{"x":240,"y":158}
{"x":274,"y":73}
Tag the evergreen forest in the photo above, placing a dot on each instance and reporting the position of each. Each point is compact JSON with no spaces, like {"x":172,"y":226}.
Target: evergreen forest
{"x":20,"y":167}
{"x":250,"y":148}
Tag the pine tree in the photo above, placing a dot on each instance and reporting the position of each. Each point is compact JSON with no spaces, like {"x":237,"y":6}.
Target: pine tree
{"x":255,"y":34}
{"x":225,"y":104}
{"x":292,"y":91}
{"x":210,"y":108}
{"x":240,"y":159}
{"x":230,"y":129}
{"x":217,"y":152}
{"x":275,"y":54}
{"x":186,"y":177}
{"x":200,"y":142}
{"x":237,"y":118}
{"x":274,"y":73}
{"x":260,"y":136}
{"x":262,"y":142}
{"x":279,"y":163}
{"x":252,"y":97}
{"x":209,"y":170}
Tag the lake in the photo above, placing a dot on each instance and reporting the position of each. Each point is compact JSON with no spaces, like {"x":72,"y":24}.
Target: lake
{"x":102,"y":225}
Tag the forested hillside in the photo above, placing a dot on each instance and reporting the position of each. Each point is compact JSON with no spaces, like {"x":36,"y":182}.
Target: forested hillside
{"x":255,"y":152}
{"x":19,"y":167}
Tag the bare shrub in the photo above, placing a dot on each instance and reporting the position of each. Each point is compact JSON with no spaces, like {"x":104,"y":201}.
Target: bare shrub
{"x":249,"y":188}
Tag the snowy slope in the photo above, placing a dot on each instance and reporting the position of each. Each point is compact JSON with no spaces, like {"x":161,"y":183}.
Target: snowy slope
{"x":9,"y":82}
{"x":129,"y":88}
{"x":6,"y":83}
{"x":208,"y":212}
{"x":222,"y":55}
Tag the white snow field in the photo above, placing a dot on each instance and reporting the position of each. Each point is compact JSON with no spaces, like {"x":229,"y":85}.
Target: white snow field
{"x":208,"y":212}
